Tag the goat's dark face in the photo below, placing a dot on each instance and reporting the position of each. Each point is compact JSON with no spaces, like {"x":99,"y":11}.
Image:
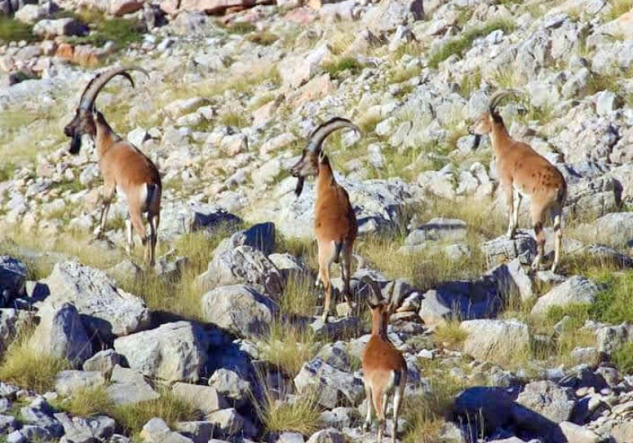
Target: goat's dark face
{"x":483,"y":125}
{"x":82,"y":123}
{"x":307,"y":166}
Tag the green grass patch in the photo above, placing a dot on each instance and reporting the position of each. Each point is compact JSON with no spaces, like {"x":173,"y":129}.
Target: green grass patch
{"x":7,"y":171}
{"x":302,"y":415}
{"x":264,"y":38}
{"x":618,"y":7}
{"x":299,"y":296}
{"x":121,"y":31}
{"x":336,"y":68}
{"x":23,"y":367}
{"x":240,"y":28}
{"x":450,"y":335}
{"x":459,"y":45}
{"x":172,"y":409}
{"x":613,"y":304}
{"x":12,"y":30}
{"x":623,"y":358}
{"x":288,"y":347}
{"x":88,"y":402}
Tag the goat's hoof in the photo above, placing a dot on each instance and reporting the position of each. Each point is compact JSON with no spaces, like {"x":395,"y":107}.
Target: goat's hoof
{"x":366,"y":427}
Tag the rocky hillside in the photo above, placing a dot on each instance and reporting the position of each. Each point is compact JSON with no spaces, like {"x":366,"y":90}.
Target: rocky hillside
{"x":222,"y":340}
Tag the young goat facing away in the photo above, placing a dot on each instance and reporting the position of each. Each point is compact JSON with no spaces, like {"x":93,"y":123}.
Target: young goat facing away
{"x":384,"y":367}
{"x":523,"y":172}
{"x":124,"y":168}
{"x":334,"y":219}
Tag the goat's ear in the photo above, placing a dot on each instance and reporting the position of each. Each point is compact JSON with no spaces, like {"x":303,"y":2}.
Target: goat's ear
{"x":321,"y":156}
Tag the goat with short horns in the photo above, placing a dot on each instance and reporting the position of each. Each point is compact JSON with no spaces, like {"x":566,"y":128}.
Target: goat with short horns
{"x":123,"y":166}
{"x":522,"y":173}
{"x":384,"y":367}
{"x":334,"y":219}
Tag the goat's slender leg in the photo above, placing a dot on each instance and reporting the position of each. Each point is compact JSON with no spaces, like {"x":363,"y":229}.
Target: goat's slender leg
{"x":153,"y":220}
{"x":367,"y":423}
{"x":108,"y":195}
{"x":382,"y":426}
{"x":137,"y":221}
{"x":378,"y":400}
{"x":515,"y":212}
{"x":557,"y":216}
{"x":325,"y":261}
{"x":509,"y":194}
{"x":346,"y":264}
{"x":397,"y":402}
{"x":130,"y":236}
{"x":538,"y":220}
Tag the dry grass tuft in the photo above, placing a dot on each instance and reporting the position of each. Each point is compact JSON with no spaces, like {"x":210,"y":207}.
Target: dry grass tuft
{"x":288,"y":346}
{"x":172,"y":409}
{"x":89,"y":402}
{"x":23,"y":367}
{"x":301,"y":415}
{"x":450,"y":335}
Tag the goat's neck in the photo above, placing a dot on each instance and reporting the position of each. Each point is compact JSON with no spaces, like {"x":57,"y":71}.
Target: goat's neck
{"x":105,"y":138}
{"x":379,"y":327}
{"x":326,"y":176}
{"x":500,"y":139}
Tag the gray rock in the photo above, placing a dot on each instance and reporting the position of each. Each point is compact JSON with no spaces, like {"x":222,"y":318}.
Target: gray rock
{"x":623,"y":432}
{"x":389,"y":15}
{"x":615,"y":229}
{"x":548,"y":399}
{"x":197,"y":431}
{"x":340,"y":418}
{"x":105,"y":309}
{"x":290,"y":437}
{"x":59,"y":27}
{"x":40,"y":413}
{"x":437,"y":229}
{"x":485,"y":408}
{"x":12,"y":278}
{"x":11,"y":321}
{"x":103,"y":362}
{"x":228,"y":422}
{"x":231,"y":385}
{"x":611,"y":338}
{"x":127,"y":387}
{"x":260,"y":236}
{"x":157,"y":431}
{"x":243,"y":265}
{"x":205,"y":398}
{"x":333,"y":387}
{"x":460,"y":299}
{"x":495,"y":340}
{"x":69,"y":382}
{"x":239,"y":309}
{"x":61,"y":333}
{"x":86,"y":430}
{"x":172,"y":352}
{"x":502,"y":249}
{"x":8,"y":424}
{"x":578,"y":434}
{"x":575,"y":290}
{"x":513,"y":280}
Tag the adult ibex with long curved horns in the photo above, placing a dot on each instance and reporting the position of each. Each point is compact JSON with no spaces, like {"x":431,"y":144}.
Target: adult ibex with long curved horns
{"x":524,"y":172}
{"x":123,"y":166}
{"x":334,"y":219}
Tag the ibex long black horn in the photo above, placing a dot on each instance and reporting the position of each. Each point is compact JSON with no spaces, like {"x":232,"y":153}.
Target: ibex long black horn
{"x":96,"y":84}
{"x":319,"y":134}
{"x":498,"y":96}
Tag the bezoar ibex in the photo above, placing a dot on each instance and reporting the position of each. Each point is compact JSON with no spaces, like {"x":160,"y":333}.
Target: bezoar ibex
{"x":335,"y":224}
{"x":123,"y":166}
{"x":524,"y":172}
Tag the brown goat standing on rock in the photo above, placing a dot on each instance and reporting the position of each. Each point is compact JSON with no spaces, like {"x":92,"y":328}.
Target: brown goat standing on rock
{"x":384,"y":367}
{"x":124,"y":168}
{"x":524,"y":172}
{"x":334,"y":219}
